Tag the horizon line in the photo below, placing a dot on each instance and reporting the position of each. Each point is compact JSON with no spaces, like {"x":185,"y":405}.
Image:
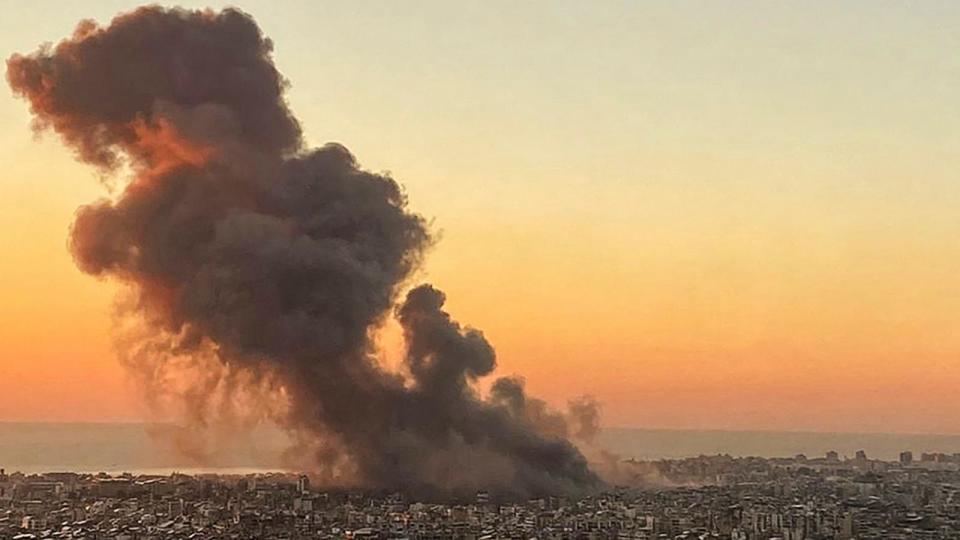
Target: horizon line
{"x":602,"y":428}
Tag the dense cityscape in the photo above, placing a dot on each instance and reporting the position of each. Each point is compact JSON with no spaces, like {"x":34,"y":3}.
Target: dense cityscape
{"x":799,"y":498}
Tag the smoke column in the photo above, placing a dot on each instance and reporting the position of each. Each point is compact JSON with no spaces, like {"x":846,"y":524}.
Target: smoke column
{"x":261,"y":257}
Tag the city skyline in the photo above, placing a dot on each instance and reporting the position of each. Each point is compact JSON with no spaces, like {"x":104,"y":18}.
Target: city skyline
{"x":701,"y":498}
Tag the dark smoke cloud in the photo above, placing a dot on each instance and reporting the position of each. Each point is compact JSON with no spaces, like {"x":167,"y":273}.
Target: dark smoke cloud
{"x":247,"y":250}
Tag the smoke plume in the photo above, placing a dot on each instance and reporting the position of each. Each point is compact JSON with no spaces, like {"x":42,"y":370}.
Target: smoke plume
{"x":267,"y":265}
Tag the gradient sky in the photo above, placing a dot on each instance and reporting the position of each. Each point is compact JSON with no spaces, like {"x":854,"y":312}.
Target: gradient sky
{"x":730,"y":215}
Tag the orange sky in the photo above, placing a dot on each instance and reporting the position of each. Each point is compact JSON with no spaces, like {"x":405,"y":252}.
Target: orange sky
{"x":751,"y":227}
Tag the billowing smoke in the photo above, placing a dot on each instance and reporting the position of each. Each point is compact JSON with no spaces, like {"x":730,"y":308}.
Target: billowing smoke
{"x":248,"y":253}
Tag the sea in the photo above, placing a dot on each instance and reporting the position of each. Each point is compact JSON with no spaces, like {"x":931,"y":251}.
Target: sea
{"x":150,"y":448}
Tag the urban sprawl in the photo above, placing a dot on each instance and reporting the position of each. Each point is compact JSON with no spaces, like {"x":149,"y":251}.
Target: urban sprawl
{"x":706,"y":497}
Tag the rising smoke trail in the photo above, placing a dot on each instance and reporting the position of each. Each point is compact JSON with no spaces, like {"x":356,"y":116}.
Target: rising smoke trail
{"x":246,"y":248}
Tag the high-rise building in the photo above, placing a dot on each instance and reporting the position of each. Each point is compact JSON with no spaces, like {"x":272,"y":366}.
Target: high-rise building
{"x":6,"y":489}
{"x":906,"y":457}
{"x":303,"y":484}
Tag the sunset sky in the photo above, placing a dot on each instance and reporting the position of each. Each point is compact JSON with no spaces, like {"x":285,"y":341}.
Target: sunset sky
{"x":706,"y":214}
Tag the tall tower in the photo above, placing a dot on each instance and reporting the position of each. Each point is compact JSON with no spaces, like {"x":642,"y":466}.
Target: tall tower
{"x":303,"y":484}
